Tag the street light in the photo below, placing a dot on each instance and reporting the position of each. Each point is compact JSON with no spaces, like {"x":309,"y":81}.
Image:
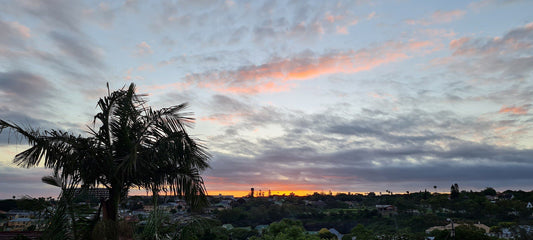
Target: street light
{"x":452,"y":233}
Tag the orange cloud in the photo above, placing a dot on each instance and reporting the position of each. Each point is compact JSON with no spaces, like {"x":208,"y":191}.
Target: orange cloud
{"x":514,"y":110}
{"x":276,"y":76}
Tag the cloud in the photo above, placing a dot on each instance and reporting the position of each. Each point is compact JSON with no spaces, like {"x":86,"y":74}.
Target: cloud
{"x":104,"y":15}
{"x":514,"y":110}
{"x":514,"y":41}
{"x":447,"y":16}
{"x":238,"y":35}
{"x":488,"y":3}
{"x":311,"y":22}
{"x":438,"y":17}
{"x":371,"y":15}
{"x":332,"y":18}
{"x":20,"y":182}
{"x":81,"y":51}
{"x":342,"y":30}
{"x":61,"y":13}
{"x":494,"y":59}
{"x":143,"y":49}
{"x":26,"y":120}
{"x":371,"y":149}
{"x":19,"y":88}
{"x":15,"y":28}
{"x":281,"y":28}
{"x":226,"y":110}
{"x":279,"y":74}
{"x":13,"y":33}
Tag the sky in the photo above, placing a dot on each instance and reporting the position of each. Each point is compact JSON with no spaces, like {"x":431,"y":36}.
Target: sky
{"x":289,"y":96}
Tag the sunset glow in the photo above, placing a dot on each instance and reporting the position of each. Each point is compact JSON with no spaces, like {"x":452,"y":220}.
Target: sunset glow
{"x":291,"y":96}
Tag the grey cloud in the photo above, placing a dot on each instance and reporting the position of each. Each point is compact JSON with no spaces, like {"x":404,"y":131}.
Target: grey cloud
{"x":104,"y":15}
{"x":356,"y":165}
{"x":61,"y":13}
{"x":175,"y":98}
{"x":402,"y":149}
{"x":131,"y":5}
{"x":13,"y":34}
{"x":227,"y":104}
{"x":81,"y":51}
{"x":19,"y":182}
{"x":21,"y":88}
{"x":505,"y":57}
{"x":238,"y":35}
{"x":26,"y":121}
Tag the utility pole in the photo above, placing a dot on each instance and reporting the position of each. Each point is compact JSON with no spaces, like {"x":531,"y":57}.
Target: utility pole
{"x":452,"y":233}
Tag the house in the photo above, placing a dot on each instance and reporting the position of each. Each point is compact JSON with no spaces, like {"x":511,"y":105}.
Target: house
{"x":387,"y":210}
{"x":222,"y":205}
{"x":32,"y":235}
{"x":19,"y":224}
{"x":492,"y":199}
{"x":512,"y":232}
{"x":13,"y":214}
{"x":506,"y":196}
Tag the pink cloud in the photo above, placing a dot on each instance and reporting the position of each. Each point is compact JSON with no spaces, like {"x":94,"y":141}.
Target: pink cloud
{"x":223,"y":119}
{"x":371,"y":15}
{"x":514,"y":110}
{"x":342,"y":30}
{"x":20,"y":29}
{"x":332,"y":18}
{"x":146,"y":67}
{"x":278,"y":75}
{"x":516,"y":40}
{"x":143,"y":49}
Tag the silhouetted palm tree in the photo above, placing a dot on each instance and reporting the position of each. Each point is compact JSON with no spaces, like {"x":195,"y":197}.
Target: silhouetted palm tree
{"x":130,"y":145}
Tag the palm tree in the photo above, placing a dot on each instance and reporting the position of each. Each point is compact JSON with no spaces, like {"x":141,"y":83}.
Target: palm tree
{"x":130,"y":145}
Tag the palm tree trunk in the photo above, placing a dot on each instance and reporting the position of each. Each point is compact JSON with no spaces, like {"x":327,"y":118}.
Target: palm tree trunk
{"x":110,"y":213}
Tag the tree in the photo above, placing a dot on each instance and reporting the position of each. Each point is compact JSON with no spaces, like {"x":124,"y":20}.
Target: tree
{"x":285,"y":229}
{"x":129,"y":145}
{"x":463,"y":232}
{"x":326,"y":234}
{"x":454,"y":191}
{"x":489,"y":191}
{"x":360,"y":232}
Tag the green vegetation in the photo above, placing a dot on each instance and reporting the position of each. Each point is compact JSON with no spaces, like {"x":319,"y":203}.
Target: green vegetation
{"x":311,"y":217}
{"x":415,"y":212}
{"x":131,"y":145}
